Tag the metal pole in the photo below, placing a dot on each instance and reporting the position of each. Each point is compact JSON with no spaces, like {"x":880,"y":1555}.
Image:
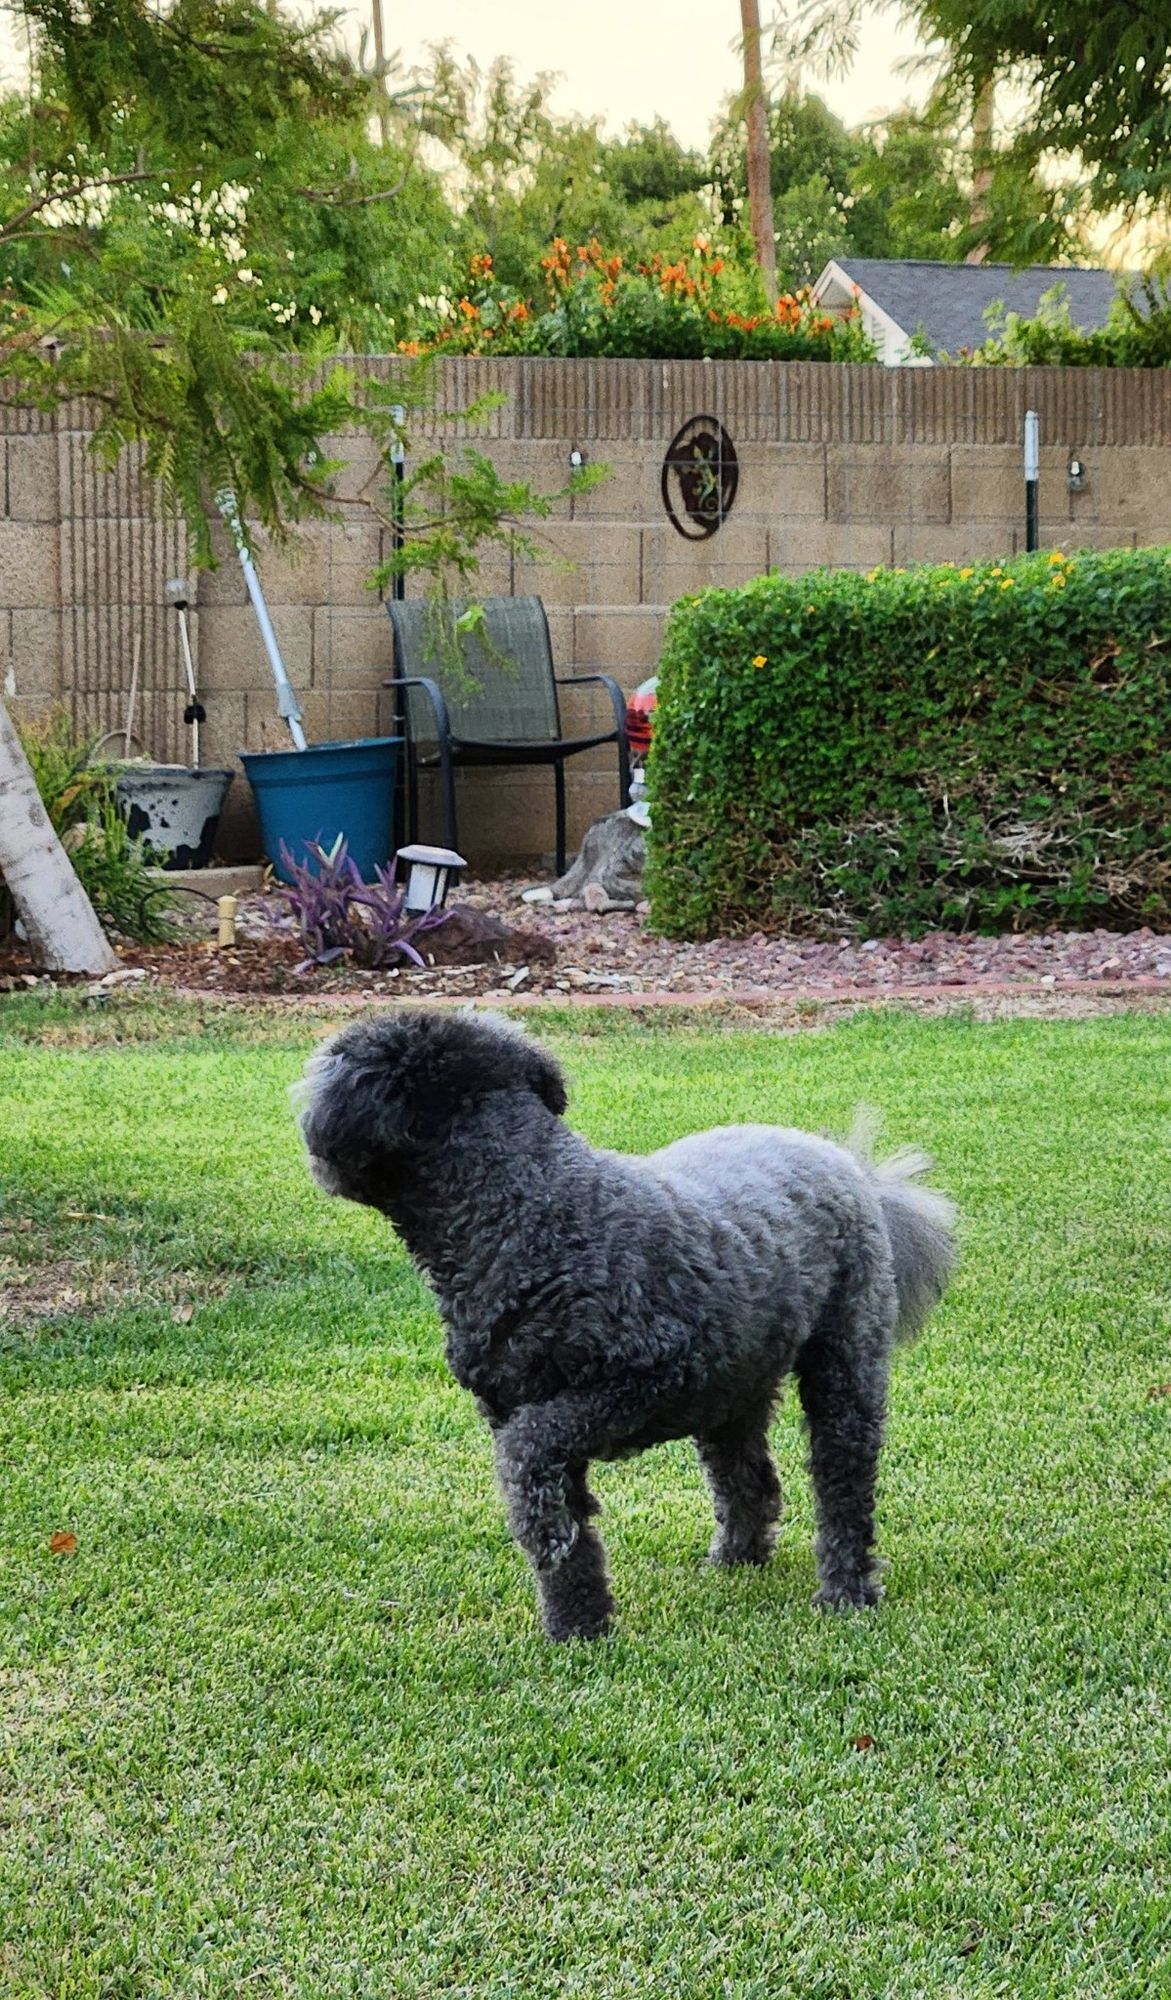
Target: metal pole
{"x":1032,"y":477}
{"x":398,"y":502}
{"x":194,"y":707}
{"x":286,"y":699}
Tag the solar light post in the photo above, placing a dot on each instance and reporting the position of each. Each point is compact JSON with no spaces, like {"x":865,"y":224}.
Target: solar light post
{"x":430,"y":874}
{"x":1032,"y":477}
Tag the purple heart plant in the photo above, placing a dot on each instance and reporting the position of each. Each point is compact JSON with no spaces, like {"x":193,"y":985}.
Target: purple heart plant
{"x":337,"y":915}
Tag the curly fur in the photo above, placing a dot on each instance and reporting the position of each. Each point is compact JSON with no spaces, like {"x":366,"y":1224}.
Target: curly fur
{"x":596,"y":1303}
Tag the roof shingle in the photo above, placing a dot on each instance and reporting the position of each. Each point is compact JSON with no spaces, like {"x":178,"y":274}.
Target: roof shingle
{"x":949,"y":301}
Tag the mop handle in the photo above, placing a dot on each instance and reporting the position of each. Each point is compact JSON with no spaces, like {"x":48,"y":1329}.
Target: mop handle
{"x":286,"y":699}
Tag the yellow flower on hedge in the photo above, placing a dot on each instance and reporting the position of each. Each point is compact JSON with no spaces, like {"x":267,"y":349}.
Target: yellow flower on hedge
{"x":1057,"y":557}
{"x":1007,"y":583}
{"x":1057,"y":582}
{"x":966,"y":572}
{"x":761,"y":660}
{"x":872,"y":573}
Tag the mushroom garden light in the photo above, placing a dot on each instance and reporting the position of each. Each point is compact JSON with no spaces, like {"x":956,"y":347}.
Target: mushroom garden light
{"x":430,"y":873}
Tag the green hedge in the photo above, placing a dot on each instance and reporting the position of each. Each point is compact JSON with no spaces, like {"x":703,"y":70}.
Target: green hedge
{"x":985,"y":747}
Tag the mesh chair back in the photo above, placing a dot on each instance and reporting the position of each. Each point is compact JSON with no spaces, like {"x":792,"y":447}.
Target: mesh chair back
{"x":504,"y":691}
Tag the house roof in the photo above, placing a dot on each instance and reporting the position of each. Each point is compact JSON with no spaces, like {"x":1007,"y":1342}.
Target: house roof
{"x":949,"y":300}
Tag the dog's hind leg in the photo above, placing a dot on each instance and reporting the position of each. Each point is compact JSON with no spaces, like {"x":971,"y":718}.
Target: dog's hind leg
{"x":842,"y":1376}
{"x":745,"y":1490}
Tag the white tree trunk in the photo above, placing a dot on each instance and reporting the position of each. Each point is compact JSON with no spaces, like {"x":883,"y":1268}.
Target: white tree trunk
{"x":62,"y":929}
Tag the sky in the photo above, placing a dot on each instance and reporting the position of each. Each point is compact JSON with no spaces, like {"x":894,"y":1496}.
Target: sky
{"x":635,"y":59}
{"x":622,"y":59}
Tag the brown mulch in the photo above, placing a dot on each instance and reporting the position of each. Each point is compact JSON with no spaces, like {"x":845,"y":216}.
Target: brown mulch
{"x":614,"y":958}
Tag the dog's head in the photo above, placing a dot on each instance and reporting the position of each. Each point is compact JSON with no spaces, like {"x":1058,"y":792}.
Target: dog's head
{"x":385,"y":1090}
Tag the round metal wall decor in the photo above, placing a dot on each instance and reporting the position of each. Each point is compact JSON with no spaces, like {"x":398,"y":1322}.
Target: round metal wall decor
{"x":700,"y":477}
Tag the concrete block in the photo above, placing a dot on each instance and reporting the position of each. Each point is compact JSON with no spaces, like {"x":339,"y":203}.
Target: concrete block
{"x":29,"y":577}
{"x":297,"y":574}
{"x":1127,"y":486}
{"x":121,"y":494}
{"x":128,"y":561}
{"x":31,"y":489}
{"x":352,"y":551}
{"x":988,"y":483}
{"x":1109,"y":535}
{"x":674,"y":567}
{"x":33,"y":655}
{"x":782,"y":482}
{"x":631,"y":492}
{"x":351,"y":647}
{"x":797,"y":546}
{"x":955,"y":542}
{"x":232,"y":656}
{"x":587,"y":562}
{"x":886,"y":483}
{"x":225,"y":733}
{"x":337,"y":715}
{"x":364,"y":473}
{"x":624,"y":643}
{"x":507,"y":818}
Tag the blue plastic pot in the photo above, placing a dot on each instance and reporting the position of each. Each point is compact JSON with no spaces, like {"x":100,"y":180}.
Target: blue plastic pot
{"x":331,"y":788}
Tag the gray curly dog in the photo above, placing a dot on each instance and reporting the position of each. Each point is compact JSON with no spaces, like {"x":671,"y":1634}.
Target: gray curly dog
{"x":597,"y":1303}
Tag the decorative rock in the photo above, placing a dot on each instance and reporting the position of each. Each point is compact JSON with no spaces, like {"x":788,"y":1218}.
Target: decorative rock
{"x":476,"y":937}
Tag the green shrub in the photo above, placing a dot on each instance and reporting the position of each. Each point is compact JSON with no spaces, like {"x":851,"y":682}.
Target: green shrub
{"x":984,"y":747}
{"x":1137,"y":333}
{"x":81,"y":802}
{"x":698,"y":307}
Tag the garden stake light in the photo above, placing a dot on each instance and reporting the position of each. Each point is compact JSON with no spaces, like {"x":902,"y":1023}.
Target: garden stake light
{"x":178,"y":595}
{"x":1032,"y":477}
{"x":430,"y":873}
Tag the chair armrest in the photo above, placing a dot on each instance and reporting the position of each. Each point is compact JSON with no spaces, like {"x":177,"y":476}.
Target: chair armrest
{"x":617,"y":699}
{"x":434,"y":695}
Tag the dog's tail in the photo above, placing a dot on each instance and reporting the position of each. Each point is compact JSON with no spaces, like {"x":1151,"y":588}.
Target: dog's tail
{"x":920,"y":1222}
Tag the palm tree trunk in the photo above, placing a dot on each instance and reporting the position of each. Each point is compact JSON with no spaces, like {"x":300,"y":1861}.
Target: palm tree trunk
{"x":58,"y":916}
{"x":982,"y":113}
{"x":380,"y":71}
{"x":760,"y":199}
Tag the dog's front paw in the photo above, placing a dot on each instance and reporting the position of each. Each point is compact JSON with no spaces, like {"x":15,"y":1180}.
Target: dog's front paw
{"x":561,"y":1624}
{"x":735,"y":1552}
{"x":859,"y":1594}
{"x":555,"y":1541}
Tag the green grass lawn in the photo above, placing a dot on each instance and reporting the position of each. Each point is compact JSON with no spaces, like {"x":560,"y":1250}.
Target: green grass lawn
{"x":283,"y":1723}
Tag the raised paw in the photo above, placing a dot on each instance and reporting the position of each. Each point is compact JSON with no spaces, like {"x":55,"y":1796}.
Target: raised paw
{"x":554,"y":1541}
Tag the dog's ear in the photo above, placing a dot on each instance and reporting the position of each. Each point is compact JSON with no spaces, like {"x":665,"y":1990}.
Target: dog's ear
{"x":545,"y":1077}
{"x":352,"y":1111}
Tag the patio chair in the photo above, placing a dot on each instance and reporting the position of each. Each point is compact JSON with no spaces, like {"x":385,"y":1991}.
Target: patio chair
{"x":500,"y":708}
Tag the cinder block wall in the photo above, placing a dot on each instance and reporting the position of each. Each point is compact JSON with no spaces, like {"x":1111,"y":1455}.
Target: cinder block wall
{"x":850,"y":466}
